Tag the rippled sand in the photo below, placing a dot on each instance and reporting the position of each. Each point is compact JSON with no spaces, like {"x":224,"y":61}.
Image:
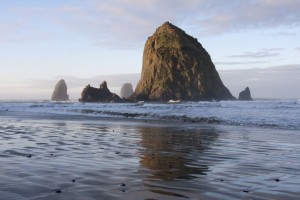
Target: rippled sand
{"x":64,"y":157}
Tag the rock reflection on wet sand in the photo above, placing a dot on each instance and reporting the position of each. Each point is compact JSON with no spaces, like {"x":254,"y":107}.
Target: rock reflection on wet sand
{"x":172,"y":154}
{"x":92,"y":159}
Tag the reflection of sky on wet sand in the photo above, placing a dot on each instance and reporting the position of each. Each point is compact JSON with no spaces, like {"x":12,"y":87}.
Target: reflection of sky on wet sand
{"x":173,"y":154}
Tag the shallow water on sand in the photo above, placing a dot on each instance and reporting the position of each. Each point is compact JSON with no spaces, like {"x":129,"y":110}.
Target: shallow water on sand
{"x":99,"y":159}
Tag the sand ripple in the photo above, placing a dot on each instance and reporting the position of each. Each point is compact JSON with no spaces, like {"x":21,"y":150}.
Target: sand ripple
{"x":70,"y":159}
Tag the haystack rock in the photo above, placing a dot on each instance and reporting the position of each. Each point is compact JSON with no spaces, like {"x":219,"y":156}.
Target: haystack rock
{"x":177,"y":67}
{"x":102,"y":94}
{"x":126,"y":90}
{"x":60,"y":92}
{"x":245,"y":95}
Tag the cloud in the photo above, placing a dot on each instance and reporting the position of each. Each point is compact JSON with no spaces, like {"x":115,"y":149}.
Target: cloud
{"x":264,"y":53}
{"x":127,"y":23}
{"x":273,"y":82}
{"x":260,"y":54}
{"x":283,"y":33}
{"x":245,"y":15}
{"x":132,"y":19}
{"x":241,"y":63}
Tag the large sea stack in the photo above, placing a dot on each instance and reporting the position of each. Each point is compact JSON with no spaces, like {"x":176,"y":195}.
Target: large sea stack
{"x":60,"y":92}
{"x":176,"y":66}
{"x":126,"y":90}
{"x":101,"y":94}
{"x":245,"y":95}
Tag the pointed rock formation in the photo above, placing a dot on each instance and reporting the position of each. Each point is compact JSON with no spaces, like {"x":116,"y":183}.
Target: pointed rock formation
{"x":126,"y":90}
{"x":102,"y":94}
{"x":176,"y":66}
{"x":60,"y":92}
{"x":245,"y":95}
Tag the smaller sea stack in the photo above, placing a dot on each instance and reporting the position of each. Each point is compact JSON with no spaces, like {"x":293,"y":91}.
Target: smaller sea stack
{"x":245,"y":95}
{"x":60,"y":91}
{"x":126,"y":90}
{"x":101,"y":94}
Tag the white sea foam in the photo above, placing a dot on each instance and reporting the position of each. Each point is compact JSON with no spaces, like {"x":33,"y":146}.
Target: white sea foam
{"x":266,"y":113}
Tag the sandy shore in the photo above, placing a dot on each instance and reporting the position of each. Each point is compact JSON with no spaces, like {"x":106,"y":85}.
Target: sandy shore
{"x":74,"y":157}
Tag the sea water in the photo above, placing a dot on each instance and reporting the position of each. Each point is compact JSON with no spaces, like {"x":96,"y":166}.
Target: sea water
{"x":283,"y":114}
{"x":188,"y":150}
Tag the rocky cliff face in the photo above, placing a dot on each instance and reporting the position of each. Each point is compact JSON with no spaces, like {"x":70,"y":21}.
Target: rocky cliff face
{"x":176,"y":66}
{"x":245,"y":95}
{"x":101,"y":94}
{"x":126,"y":90}
{"x":60,"y":92}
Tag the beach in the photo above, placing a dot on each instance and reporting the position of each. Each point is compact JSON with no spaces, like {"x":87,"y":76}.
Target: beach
{"x":150,"y":100}
{"x":52,"y":156}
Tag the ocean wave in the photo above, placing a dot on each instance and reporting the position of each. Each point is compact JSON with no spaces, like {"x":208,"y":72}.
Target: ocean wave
{"x":185,"y":118}
{"x":274,"y":114}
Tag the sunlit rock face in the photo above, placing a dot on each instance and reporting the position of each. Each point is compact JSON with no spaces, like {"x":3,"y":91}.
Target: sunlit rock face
{"x":60,"y":92}
{"x":245,"y":95}
{"x":126,"y":90}
{"x":101,"y":94}
{"x":176,"y":66}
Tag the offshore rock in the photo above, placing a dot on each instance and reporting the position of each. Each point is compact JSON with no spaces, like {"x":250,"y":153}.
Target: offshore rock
{"x":245,"y":95}
{"x":177,"y":67}
{"x":60,"y":92}
{"x":126,"y":90}
{"x":101,"y":94}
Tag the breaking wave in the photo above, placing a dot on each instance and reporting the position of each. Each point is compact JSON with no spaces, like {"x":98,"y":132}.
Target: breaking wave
{"x":283,"y":114}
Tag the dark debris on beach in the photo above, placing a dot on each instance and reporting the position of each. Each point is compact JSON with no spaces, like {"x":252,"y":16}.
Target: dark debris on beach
{"x":57,"y":191}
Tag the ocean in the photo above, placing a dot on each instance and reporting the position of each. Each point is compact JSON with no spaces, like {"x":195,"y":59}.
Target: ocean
{"x":163,"y":151}
{"x":283,"y":114}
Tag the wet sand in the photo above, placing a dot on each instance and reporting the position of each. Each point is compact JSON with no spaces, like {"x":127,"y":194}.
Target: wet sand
{"x":69,"y":157}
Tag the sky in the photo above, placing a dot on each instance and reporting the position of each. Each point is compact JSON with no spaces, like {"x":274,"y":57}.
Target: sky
{"x":253,"y":43}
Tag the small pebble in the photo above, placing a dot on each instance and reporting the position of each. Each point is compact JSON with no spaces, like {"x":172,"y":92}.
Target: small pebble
{"x":117,"y":152}
{"x":57,"y":191}
{"x":73,"y":180}
{"x":246,"y":191}
{"x":123,"y":184}
{"x":221,"y":180}
{"x":277,"y":180}
{"x":28,"y":156}
{"x":124,"y":133}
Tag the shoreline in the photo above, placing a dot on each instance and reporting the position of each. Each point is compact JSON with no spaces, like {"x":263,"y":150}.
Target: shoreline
{"x":136,"y":121}
{"x":49,"y":156}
